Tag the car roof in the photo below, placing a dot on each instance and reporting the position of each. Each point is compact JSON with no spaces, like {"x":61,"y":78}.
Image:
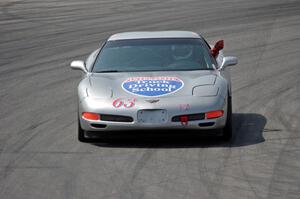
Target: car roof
{"x":153,"y":35}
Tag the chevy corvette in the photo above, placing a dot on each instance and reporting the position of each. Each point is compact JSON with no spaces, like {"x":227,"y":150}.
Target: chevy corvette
{"x":155,"y":80}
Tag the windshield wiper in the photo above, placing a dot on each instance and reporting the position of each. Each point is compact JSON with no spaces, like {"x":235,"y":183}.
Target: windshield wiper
{"x":107,"y":71}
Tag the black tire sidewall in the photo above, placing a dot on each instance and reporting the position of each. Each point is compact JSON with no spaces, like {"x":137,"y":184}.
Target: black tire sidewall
{"x":227,"y":130}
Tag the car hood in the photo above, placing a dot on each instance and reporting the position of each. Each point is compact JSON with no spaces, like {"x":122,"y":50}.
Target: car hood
{"x":148,"y":84}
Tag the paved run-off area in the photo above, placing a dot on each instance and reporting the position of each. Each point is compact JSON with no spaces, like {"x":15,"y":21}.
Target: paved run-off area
{"x":40,"y":156}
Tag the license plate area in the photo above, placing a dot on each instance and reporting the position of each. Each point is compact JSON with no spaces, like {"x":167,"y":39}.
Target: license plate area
{"x":157,"y":116}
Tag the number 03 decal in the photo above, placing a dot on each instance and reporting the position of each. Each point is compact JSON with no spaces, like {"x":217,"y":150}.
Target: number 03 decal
{"x":127,"y":103}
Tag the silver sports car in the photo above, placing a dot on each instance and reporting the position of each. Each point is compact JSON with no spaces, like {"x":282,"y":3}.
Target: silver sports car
{"x":155,"y":80}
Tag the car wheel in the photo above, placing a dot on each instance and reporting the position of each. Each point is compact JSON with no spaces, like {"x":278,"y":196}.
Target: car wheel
{"x":81,"y":134}
{"x":89,"y":137}
{"x":227,"y":130}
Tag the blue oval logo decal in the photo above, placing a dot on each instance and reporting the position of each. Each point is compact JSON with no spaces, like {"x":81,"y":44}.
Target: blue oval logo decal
{"x":152,"y":86}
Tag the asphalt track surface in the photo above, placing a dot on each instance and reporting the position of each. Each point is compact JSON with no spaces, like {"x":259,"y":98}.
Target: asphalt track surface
{"x":40,"y":156}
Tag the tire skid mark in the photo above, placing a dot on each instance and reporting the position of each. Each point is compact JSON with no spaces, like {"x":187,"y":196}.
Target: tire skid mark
{"x":266,"y":44}
{"x":29,"y":135}
{"x":147,"y":155}
{"x":260,"y":100}
{"x":6,"y":11}
{"x":214,"y":186}
{"x":268,"y":78}
{"x":6,"y":7}
{"x":128,"y":185}
{"x":285,"y":121}
{"x":274,"y":112}
{"x":267,"y":152}
{"x":244,"y":130}
{"x":10,"y":167}
{"x":246,"y":176}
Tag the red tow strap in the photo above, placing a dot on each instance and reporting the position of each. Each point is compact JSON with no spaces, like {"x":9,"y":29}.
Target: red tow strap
{"x":184,"y":120}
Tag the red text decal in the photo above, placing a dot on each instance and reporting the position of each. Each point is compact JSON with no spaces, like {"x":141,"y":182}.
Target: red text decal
{"x":184,"y":107}
{"x":127,"y":103}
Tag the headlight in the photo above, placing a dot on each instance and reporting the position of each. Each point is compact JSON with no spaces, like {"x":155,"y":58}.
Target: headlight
{"x":205,"y":91}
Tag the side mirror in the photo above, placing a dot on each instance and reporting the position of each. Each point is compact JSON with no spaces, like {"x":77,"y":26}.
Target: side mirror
{"x":78,"y":65}
{"x":228,"y":61}
{"x":218,"y":46}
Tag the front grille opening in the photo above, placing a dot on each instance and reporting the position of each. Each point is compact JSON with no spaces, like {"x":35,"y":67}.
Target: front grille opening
{"x":99,"y":126}
{"x":191,"y":117}
{"x":116,"y":118}
{"x":205,"y":124}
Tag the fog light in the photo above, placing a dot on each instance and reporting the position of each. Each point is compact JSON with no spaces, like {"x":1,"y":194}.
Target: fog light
{"x":90,"y":116}
{"x":214,"y":114}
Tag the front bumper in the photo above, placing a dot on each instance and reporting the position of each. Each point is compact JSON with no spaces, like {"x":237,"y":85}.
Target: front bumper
{"x":103,"y":106}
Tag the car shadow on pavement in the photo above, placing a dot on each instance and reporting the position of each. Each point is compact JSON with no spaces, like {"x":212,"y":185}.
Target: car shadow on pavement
{"x":247,"y":130}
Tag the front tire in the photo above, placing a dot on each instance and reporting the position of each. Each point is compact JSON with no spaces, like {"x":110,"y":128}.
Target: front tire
{"x":227,"y":130}
{"x":87,"y":137}
{"x":81,"y":134}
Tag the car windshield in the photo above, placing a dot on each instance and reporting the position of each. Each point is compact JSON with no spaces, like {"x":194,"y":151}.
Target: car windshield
{"x":153,"y":55}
